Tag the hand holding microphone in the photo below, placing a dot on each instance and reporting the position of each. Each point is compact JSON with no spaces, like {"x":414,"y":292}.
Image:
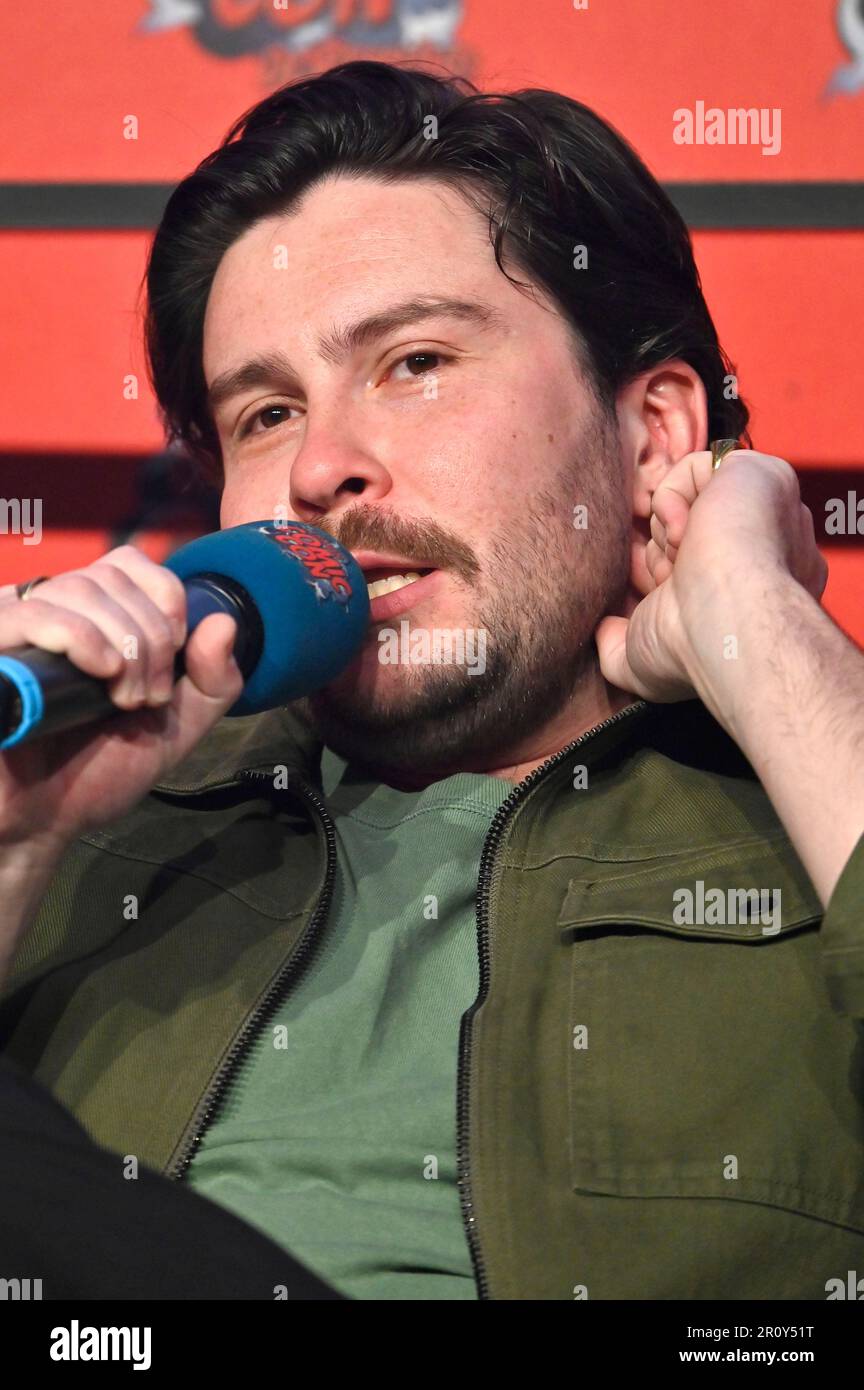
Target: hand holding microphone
{"x":156,"y":641}
{"x":55,"y":788}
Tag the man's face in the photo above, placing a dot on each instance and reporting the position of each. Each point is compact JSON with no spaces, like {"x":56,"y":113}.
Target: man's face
{"x":454,"y":439}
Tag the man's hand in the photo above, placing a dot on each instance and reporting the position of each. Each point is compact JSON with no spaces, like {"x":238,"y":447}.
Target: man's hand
{"x":708,"y":529}
{"x":732,"y":579}
{"x":121,"y":619}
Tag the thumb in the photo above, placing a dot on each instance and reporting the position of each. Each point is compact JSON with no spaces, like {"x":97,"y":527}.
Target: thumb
{"x":212,"y":683}
{"x":210,"y":666}
{"x":611,"y":639}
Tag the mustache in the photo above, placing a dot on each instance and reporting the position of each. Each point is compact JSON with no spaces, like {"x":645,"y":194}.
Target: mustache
{"x":423,"y":542}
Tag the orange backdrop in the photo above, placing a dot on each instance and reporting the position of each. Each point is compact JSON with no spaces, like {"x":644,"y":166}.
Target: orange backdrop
{"x":77,"y":80}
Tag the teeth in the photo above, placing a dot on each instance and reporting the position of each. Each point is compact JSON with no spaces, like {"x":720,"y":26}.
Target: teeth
{"x":393,"y":582}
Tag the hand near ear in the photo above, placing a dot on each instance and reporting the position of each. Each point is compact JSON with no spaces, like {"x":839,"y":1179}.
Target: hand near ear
{"x":718,"y":539}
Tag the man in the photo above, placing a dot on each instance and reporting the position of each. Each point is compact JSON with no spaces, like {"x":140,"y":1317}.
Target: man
{"x":539,"y":977}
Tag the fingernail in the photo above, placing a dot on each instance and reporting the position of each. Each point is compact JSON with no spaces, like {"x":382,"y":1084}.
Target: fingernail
{"x":162,"y":691}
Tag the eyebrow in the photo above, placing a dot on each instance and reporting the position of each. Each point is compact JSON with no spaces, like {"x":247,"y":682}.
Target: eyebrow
{"x":273,"y":369}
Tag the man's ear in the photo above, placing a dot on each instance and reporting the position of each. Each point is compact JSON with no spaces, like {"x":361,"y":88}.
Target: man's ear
{"x":662,"y":415}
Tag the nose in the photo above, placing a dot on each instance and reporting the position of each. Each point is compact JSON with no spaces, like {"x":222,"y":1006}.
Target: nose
{"x":331,"y":470}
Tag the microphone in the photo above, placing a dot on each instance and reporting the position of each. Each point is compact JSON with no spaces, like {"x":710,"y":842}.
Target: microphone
{"x":301,"y":606}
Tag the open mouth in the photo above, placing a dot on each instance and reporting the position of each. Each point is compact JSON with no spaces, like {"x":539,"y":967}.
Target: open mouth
{"x":387,"y":580}
{"x":396,"y":588}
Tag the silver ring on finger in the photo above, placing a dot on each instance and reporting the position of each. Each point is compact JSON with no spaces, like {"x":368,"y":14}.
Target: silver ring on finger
{"x":24,"y":590}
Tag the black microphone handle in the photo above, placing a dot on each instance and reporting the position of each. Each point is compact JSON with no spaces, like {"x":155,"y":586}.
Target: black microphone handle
{"x":72,"y":697}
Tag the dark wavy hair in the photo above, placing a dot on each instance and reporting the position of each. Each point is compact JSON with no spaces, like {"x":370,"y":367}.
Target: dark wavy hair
{"x":547,"y":171}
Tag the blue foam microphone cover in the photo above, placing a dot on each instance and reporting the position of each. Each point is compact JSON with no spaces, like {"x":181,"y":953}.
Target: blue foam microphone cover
{"x":310,"y":594}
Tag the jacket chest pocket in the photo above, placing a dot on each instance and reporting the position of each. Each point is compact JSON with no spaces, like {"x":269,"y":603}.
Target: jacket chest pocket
{"x":706,"y":1060}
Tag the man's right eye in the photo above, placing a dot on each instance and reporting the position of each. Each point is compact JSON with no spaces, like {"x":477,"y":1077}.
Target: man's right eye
{"x":257,"y":415}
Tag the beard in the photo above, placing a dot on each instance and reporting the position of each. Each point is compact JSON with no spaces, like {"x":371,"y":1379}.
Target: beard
{"x":540,"y":596}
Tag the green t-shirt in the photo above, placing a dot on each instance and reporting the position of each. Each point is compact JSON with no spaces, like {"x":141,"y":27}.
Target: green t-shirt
{"x":337,"y":1136}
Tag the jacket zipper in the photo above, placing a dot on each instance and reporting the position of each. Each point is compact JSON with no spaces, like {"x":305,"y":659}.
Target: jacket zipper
{"x":278,"y":990}
{"x":484,"y":889}
{"x":281,"y":986}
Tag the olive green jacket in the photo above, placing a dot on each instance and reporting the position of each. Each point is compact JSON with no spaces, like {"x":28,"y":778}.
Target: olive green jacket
{"x":648,"y":1108}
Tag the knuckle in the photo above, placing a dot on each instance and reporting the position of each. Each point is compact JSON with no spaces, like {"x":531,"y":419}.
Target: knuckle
{"x":105,"y":569}
{"x":137,"y":573}
{"x":175,"y":588}
{"x":787,"y":476}
{"x":77,"y":584}
{"x":170,"y":593}
{"x":125,"y":554}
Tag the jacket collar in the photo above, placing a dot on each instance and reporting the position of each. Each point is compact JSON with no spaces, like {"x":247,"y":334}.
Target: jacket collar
{"x":701,"y":797}
{"x":281,"y":736}
{"x":685,"y":732}
{"x":250,"y":742}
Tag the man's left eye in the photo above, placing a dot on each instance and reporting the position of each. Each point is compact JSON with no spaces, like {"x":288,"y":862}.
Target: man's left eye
{"x":427,"y":360}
